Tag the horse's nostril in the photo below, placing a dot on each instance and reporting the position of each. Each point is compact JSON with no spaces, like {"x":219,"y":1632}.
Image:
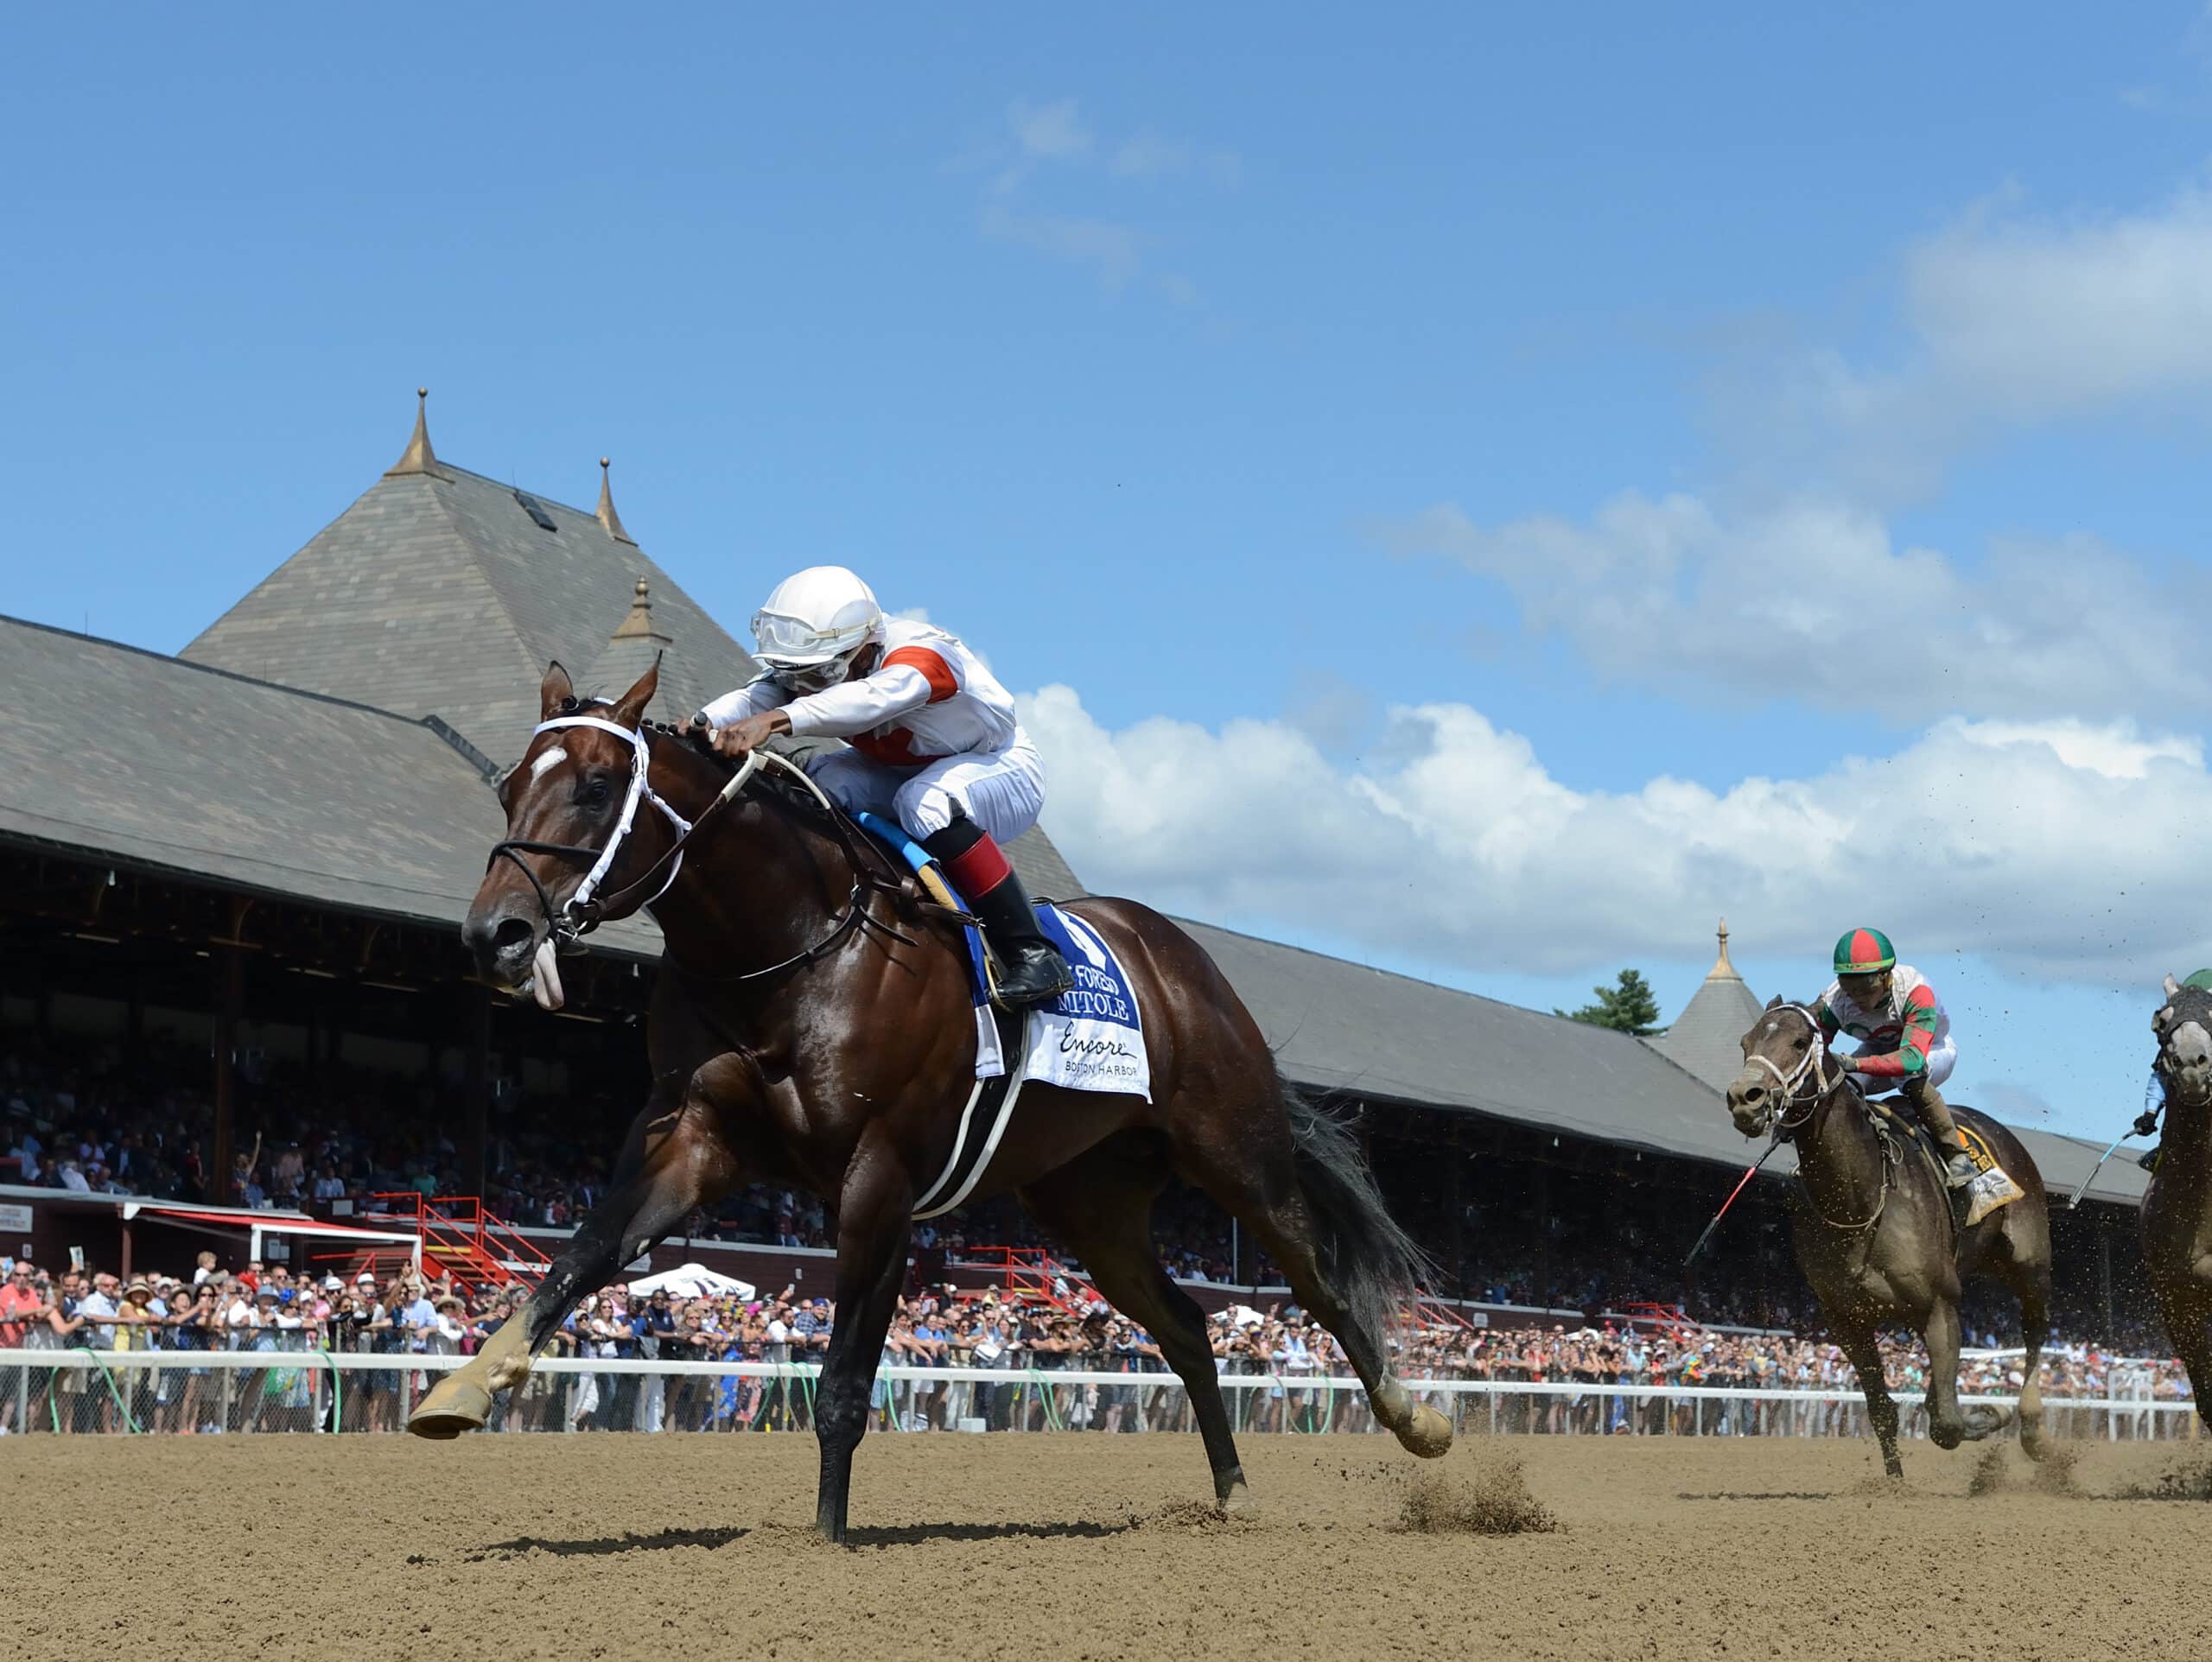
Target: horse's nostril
{"x":512,"y":932}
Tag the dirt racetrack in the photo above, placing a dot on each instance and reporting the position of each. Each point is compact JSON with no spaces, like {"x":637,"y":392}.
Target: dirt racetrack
{"x":334,"y":1548}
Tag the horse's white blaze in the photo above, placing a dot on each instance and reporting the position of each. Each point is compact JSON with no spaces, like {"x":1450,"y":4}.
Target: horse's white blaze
{"x":2189,"y":1045}
{"x":551,"y":758}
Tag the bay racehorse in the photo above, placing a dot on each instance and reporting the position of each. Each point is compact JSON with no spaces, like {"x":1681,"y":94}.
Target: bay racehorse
{"x":2177,"y":1220}
{"x":1874,"y":1234}
{"x":813,"y":1025}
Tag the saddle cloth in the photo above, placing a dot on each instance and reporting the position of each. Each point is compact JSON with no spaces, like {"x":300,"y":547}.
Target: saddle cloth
{"x":1995,"y":1187}
{"x":1090,"y":1039}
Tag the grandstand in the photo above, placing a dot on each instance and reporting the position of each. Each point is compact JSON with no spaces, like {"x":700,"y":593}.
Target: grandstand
{"x":253,"y":856}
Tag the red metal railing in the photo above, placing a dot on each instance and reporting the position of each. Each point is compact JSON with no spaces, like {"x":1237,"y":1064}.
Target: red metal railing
{"x":460,"y":1239}
{"x":1032,"y":1273}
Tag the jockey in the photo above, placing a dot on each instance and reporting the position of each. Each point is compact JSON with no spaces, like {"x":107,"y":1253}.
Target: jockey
{"x":933,"y":740}
{"x":1904,"y":1037}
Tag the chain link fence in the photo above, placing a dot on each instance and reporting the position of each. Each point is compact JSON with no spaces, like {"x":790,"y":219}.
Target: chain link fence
{"x":88,"y":1392}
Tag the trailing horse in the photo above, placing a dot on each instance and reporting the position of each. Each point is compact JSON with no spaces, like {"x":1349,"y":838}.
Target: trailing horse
{"x":2176,"y":1220}
{"x":813,"y":1026}
{"x":1874,"y":1232}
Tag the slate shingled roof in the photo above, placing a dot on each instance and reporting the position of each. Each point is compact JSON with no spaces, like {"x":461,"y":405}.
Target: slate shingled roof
{"x":221,"y":776}
{"x":1706,"y":1039}
{"x":1341,"y":1027}
{"x":437,"y":592}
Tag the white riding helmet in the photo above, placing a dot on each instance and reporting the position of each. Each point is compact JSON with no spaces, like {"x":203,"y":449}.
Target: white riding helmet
{"x":814,"y":624}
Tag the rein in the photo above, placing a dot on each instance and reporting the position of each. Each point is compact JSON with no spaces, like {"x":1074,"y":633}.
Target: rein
{"x":1815,"y":1063}
{"x":585,"y":909}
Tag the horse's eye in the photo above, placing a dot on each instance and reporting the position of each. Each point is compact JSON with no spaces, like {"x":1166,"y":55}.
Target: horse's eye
{"x":2158,"y":1022}
{"x":591,"y":793}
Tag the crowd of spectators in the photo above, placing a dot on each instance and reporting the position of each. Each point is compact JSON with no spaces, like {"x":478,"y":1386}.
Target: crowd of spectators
{"x":270,"y":1307}
{"x":111,"y":1121}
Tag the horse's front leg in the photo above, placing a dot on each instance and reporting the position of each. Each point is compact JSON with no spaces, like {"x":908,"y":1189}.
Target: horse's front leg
{"x":672,"y":1161}
{"x":1860,"y":1345}
{"x":875,"y":1222}
{"x":1947,"y":1426}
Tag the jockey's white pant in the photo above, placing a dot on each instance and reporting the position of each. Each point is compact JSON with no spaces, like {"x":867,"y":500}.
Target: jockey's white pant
{"x":1003,"y":791}
{"x":1942,"y":1057}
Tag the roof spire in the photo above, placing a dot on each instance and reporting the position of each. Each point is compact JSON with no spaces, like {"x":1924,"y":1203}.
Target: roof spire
{"x":419,"y":456}
{"x":638,"y":625}
{"x":613,"y":521}
{"x":1722,"y":969}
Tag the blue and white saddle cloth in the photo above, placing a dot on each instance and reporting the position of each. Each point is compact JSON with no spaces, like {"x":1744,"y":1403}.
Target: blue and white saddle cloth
{"x":1090,"y":1039}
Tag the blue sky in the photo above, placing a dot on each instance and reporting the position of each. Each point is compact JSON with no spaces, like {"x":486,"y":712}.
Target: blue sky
{"x":1573,"y":478}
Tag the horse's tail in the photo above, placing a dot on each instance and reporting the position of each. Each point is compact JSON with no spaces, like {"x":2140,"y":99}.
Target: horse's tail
{"x":1368,"y":1259}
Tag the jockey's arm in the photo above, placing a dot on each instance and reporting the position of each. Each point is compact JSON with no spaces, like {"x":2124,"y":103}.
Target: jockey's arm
{"x":1910,"y":1059}
{"x":856,"y":707}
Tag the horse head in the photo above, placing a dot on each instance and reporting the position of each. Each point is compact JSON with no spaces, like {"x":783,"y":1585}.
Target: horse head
{"x":2184,"y":1024}
{"x":573,"y":822}
{"x":1783,"y":1064}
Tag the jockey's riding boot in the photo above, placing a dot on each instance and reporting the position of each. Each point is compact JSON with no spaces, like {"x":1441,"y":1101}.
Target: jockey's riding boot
{"x":1031,"y":969}
{"x":1959,"y":1168}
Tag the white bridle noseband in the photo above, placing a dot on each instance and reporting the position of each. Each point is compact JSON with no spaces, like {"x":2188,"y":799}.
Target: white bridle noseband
{"x":640,"y":790}
{"x":574,"y":915}
{"x":1814,"y":1062}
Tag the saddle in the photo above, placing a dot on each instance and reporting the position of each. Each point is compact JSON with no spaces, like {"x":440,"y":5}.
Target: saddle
{"x":1993,"y":1188}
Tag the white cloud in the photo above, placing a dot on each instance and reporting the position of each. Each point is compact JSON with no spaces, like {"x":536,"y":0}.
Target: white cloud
{"x":1147,"y":154}
{"x":1111,"y":251}
{"x":2058,"y":850}
{"x":1053,"y":130}
{"x":2010,"y":319}
{"x":1815,"y":600}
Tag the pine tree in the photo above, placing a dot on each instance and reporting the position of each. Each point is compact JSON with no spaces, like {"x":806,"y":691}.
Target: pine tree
{"x":1627,"y":1007}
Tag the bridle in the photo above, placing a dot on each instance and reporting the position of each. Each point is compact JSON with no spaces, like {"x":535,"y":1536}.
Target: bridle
{"x":587,"y":909}
{"x":1814,"y":1062}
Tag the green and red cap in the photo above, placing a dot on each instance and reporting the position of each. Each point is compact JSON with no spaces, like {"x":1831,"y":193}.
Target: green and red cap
{"x":1865,"y":952}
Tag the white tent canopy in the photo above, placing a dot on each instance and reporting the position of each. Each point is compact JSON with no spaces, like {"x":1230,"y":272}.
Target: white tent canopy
{"x":694,"y":1281}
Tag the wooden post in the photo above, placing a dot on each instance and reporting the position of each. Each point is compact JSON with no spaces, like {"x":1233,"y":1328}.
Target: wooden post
{"x":476,"y":1088}
{"x":230,"y":997}
{"x":2104,"y":1263}
{"x":1455,"y":1197}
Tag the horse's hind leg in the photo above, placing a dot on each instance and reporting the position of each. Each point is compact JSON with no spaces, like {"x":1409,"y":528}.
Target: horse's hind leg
{"x":1101,"y":1206}
{"x":1859,"y":1345}
{"x":1315,"y":1207}
{"x":2031,"y":1283}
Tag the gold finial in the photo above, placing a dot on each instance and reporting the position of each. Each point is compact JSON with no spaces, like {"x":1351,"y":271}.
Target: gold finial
{"x":612,"y":520}
{"x":419,"y":457}
{"x":1722,"y":969}
{"x":638,"y":625}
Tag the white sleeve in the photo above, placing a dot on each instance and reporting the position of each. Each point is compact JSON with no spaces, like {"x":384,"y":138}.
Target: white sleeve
{"x":752,"y":698}
{"x":860,"y":704}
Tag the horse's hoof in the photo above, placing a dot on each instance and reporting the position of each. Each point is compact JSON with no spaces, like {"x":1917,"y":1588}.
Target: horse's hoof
{"x":1428,"y":1434}
{"x":455,"y":1406}
{"x":1236,"y":1502}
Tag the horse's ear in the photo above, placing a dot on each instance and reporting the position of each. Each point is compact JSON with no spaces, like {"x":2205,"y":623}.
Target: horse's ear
{"x":1775,"y":1003}
{"x":2173,"y":986}
{"x":631,"y":706}
{"x":553,"y":690}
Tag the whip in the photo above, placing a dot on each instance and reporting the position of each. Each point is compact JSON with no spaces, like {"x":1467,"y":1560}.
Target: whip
{"x":2145,"y":1123}
{"x":1750,"y":1172}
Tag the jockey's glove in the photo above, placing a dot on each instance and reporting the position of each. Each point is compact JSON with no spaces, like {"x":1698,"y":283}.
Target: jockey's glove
{"x":2146,"y":1123}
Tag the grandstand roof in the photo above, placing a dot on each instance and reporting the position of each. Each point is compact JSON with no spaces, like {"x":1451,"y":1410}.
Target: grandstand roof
{"x":1706,"y":1039}
{"x":1341,"y":1026}
{"x":149,"y":760}
{"x":441,"y":592}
